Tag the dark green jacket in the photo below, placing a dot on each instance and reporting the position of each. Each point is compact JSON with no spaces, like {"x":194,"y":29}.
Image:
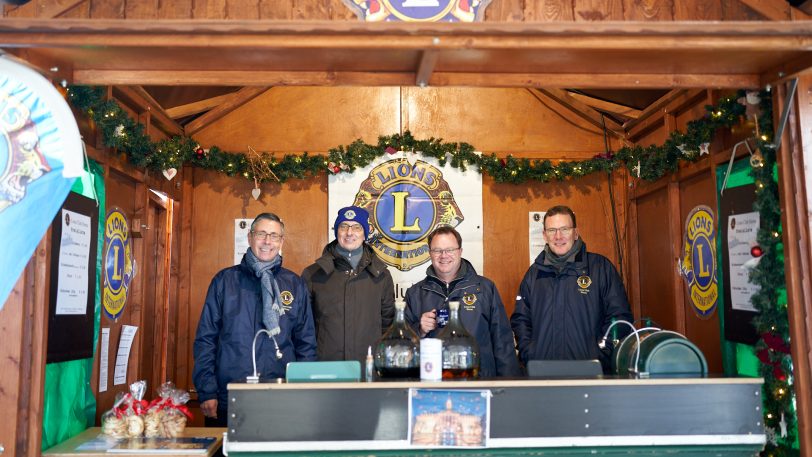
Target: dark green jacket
{"x":351,"y":308}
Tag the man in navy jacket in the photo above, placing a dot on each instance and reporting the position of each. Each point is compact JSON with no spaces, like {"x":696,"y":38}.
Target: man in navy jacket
{"x":568,"y":298}
{"x":258,"y":294}
{"x":452,"y":278}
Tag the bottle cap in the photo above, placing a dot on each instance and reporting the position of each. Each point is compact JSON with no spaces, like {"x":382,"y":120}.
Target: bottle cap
{"x":453,"y":305}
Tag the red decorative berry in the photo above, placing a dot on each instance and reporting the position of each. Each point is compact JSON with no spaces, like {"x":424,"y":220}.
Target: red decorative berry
{"x":199,"y":152}
{"x":756,"y":251}
{"x":503,"y":162}
{"x":336,"y":169}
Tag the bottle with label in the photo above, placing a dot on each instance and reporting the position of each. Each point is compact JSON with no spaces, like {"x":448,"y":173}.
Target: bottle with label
{"x":397,"y":353}
{"x":460,"y":349}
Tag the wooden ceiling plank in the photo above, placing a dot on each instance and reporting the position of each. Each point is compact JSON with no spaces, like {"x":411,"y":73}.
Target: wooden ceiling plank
{"x":787,"y":70}
{"x":199,"y":106}
{"x":654,"y":108}
{"x":55,"y":9}
{"x":373,"y":79}
{"x":610,"y":107}
{"x":139,"y":96}
{"x":564,"y":99}
{"x":237,"y":99}
{"x":428,"y":60}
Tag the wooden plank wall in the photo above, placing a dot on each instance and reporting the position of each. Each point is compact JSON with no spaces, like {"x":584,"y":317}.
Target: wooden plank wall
{"x":498,"y":11}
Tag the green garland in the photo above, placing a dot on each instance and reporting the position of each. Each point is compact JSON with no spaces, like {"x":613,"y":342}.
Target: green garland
{"x":120,"y":132}
{"x":649,"y":163}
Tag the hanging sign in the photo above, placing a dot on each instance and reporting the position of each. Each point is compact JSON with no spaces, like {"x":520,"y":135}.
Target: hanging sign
{"x":119,"y":266}
{"x":40,"y":156}
{"x":698,"y":265}
{"x":418,"y":10}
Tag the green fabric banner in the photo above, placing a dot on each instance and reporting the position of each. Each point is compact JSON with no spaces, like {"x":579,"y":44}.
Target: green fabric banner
{"x":69,"y":405}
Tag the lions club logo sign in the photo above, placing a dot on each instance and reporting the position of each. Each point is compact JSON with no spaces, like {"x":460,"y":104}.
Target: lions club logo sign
{"x":118,"y":263}
{"x":406,"y":202}
{"x":418,"y":10}
{"x":699,"y":261}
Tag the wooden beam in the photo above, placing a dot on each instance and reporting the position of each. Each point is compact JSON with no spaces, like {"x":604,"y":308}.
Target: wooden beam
{"x":428,"y":60}
{"x":787,"y":70}
{"x":776,"y":10}
{"x":604,"y":105}
{"x":585,"y":112}
{"x":55,"y":9}
{"x":242,"y":96}
{"x":672,"y":101}
{"x":141,"y":98}
{"x":199,"y":106}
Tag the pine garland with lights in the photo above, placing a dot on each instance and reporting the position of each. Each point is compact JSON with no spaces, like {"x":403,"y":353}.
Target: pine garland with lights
{"x":648,"y":163}
{"x":772,"y":324}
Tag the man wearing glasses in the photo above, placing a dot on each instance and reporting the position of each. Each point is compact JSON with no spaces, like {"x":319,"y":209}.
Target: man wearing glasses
{"x":352,"y":292}
{"x":568,"y":297}
{"x":452,"y":278}
{"x":255,"y":301}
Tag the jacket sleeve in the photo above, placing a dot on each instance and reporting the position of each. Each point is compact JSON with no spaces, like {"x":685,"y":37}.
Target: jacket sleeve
{"x":304,"y":333}
{"x":387,"y":301}
{"x":504,"y":350}
{"x":206,"y":342}
{"x":614,"y":302}
{"x":412,"y":311}
{"x":522,"y":320}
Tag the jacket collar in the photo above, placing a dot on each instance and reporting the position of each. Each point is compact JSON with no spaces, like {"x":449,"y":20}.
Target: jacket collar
{"x":579,"y":266}
{"x":369,"y":260}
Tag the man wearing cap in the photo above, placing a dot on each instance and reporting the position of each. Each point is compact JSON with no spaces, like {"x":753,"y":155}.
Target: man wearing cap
{"x":351,"y":291}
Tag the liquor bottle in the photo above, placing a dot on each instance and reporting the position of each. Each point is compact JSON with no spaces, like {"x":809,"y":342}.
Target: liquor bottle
{"x":460,"y":349}
{"x":397,"y":353}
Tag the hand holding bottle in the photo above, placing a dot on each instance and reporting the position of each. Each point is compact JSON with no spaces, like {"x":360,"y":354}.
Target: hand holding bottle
{"x":428,"y":322}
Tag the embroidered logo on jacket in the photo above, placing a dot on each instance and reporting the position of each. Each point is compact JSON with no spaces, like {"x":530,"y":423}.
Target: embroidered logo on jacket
{"x":584,"y":282}
{"x":287,"y":298}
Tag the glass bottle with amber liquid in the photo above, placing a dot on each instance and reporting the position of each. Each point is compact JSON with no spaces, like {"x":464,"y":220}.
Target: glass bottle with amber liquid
{"x":460,"y":349}
{"x":397,"y":353}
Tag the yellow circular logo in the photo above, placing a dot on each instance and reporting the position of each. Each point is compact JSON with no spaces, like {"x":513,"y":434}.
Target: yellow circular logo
{"x":698,"y":265}
{"x":118,"y":263}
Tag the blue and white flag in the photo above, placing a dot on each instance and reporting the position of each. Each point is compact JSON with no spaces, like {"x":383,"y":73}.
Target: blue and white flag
{"x":40,"y":156}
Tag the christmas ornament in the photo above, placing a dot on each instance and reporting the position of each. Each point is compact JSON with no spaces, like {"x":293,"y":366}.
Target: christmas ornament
{"x":703,"y":149}
{"x":169,"y":173}
{"x":756,"y":251}
{"x":255,"y":193}
{"x":390,"y":150}
{"x":119,"y":131}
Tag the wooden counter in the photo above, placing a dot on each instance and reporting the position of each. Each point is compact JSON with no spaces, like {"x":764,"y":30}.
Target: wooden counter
{"x":68,"y":448}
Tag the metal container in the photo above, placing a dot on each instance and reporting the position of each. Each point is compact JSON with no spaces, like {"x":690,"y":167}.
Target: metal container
{"x":661,"y":353}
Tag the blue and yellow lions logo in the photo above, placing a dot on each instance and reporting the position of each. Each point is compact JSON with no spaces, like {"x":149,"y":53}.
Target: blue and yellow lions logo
{"x":118,"y":263}
{"x":406,"y":202}
{"x":418,"y":10}
{"x":699,"y":261}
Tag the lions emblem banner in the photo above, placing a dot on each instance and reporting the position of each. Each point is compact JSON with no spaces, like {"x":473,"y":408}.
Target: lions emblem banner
{"x":407,"y":198}
{"x":40,"y":156}
{"x":698,"y":265}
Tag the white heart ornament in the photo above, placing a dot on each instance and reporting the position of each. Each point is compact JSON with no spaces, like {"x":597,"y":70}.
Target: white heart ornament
{"x":255,"y":193}
{"x":170,"y":173}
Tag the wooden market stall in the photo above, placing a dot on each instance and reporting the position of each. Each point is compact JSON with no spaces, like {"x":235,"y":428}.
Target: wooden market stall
{"x":307,"y":76}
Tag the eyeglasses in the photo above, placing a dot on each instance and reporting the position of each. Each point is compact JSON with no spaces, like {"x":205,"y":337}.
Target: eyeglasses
{"x":564,"y":231}
{"x":357,"y":228}
{"x":447,"y":251}
{"x":264,"y":236}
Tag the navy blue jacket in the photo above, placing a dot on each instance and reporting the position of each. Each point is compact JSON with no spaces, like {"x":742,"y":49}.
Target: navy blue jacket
{"x":562,"y":316}
{"x":231,"y":317}
{"x":485,"y":318}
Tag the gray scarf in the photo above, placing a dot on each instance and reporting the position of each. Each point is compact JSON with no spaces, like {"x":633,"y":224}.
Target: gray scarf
{"x":559,"y":262}
{"x":353,"y":257}
{"x":271,"y":311}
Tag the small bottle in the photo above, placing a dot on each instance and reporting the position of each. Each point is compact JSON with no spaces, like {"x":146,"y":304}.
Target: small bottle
{"x":397,"y":353}
{"x":460,"y":349}
{"x":369,"y":366}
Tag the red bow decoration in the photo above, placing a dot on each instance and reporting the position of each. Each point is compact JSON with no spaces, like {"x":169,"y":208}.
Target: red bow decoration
{"x":608,"y":155}
{"x":390,"y":150}
{"x":775,"y":342}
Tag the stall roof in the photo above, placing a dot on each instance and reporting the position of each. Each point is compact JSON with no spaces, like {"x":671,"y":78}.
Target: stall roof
{"x":583,"y":55}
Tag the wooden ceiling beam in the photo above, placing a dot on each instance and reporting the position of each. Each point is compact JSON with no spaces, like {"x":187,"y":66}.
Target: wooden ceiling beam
{"x":141,"y":98}
{"x":776,"y":10}
{"x":609,"y":107}
{"x":236,"y":100}
{"x":56,"y":9}
{"x":670,"y":102}
{"x":383,"y":78}
{"x":199,"y":106}
{"x":564,"y":99}
{"x":787,"y":70}
{"x":428,"y":59}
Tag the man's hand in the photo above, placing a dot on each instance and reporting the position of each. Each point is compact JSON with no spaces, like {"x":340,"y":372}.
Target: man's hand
{"x":428,"y":322}
{"x":209,"y":408}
